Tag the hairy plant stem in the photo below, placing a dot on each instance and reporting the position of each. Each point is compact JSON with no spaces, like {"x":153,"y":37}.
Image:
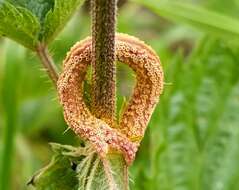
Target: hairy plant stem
{"x":103,"y":80}
{"x":47,"y":62}
{"x":103,"y":58}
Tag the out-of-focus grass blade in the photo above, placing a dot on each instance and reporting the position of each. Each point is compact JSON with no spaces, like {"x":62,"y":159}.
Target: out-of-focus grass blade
{"x":195,"y":16}
{"x":14,"y":56}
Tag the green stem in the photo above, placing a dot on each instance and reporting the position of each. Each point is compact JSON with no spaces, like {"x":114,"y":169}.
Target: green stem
{"x":47,"y":62}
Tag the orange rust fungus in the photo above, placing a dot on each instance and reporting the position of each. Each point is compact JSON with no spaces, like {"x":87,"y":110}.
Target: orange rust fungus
{"x":149,"y":75}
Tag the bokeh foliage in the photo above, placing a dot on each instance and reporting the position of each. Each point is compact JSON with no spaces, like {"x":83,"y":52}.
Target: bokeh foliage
{"x":193,"y":138}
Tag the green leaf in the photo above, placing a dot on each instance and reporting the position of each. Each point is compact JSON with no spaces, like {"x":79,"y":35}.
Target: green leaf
{"x":39,"y":8}
{"x":57,"y":18}
{"x":80,"y":168}
{"x":192,"y":140}
{"x":57,"y":175}
{"x":195,"y":16}
{"x":222,"y":150}
{"x":31,"y":21}
{"x":19,"y":24}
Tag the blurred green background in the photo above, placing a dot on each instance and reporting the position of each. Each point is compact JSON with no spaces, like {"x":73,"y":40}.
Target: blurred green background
{"x":192,"y":142}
